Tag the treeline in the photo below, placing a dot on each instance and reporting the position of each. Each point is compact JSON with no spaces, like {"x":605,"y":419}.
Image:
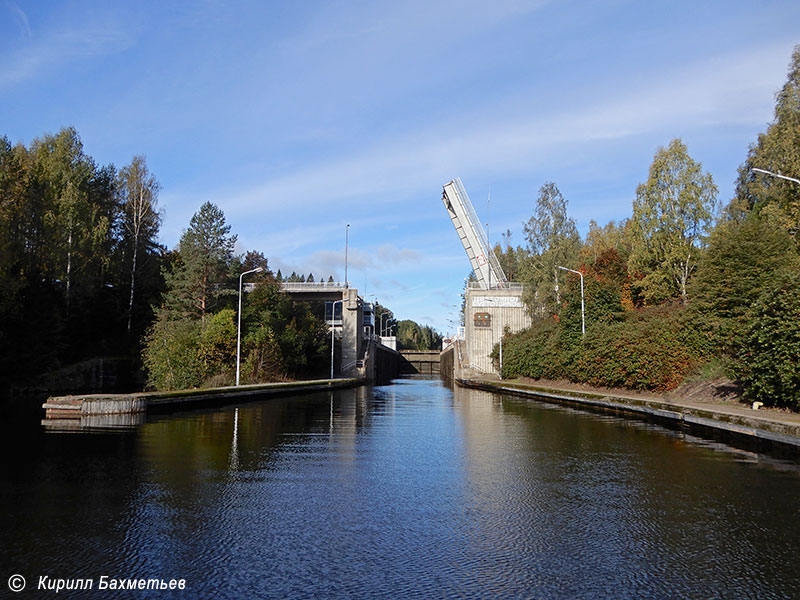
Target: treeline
{"x":413,"y":336}
{"x":295,"y":278}
{"x":410,"y":334}
{"x":82,"y":275}
{"x":192,"y":342}
{"x":683,"y":286}
{"x":79,"y":257}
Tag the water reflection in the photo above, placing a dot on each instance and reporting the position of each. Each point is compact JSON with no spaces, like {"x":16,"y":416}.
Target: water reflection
{"x":408,"y":490}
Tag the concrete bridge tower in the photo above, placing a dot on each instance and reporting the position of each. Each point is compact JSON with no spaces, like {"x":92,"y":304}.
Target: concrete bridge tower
{"x":493,"y":305}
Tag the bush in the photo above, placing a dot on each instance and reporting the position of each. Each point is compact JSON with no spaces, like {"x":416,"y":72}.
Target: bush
{"x":769,"y":364}
{"x":263,"y":357}
{"x":647,"y":349}
{"x":170,"y":354}
{"x":741,"y":260}
{"x":651,"y":349}
{"x":530,"y":353}
{"x":217,"y":346}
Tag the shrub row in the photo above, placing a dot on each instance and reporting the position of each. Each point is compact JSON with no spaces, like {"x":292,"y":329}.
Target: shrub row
{"x":647,"y":349}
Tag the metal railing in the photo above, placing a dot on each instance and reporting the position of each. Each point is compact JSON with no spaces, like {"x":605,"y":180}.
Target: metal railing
{"x":512,"y":286}
{"x":480,"y":232}
{"x":352,"y":365}
{"x":313,"y":286}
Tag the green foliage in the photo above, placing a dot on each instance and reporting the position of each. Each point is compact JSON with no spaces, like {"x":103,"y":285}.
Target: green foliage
{"x":262,"y":356}
{"x":295,"y":340}
{"x":647,"y":349}
{"x":384,"y":319}
{"x":281,"y":338}
{"x":533,"y":352}
{"x":769,"y":366}
{"x":170,"y":354}
{"x":413,"y":336}
{"x":778,"y":151}
{"x":512,"y":259}
{"x":553,"y":240}
{"x":742,"y":258}
{"x":217,"y":344}
{"x":672,"y":210}
{"x":65,"y":264}
{"x":139,"y":221}
{"x":202,"y":274}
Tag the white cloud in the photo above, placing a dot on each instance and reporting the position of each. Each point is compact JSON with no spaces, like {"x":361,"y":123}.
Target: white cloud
{"x":389,"y":253}
{"x":50,"y":50}
{"x":21,"y":19}
{"x":709,"y":93}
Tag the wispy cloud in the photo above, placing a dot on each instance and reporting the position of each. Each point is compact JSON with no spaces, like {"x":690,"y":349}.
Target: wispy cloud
{"x":705,"y":94}
{"x":389,"y":253}
{"x":21,"y":19}
{"x":47,"y":51}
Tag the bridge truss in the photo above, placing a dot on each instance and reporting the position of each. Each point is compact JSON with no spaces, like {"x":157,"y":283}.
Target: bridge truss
{"x":473,"y":237}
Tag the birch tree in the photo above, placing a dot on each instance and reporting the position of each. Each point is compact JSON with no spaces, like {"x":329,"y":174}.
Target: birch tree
{"x":553,"y":240}
{"x":673,"y":209}
{"x":140,"y":220}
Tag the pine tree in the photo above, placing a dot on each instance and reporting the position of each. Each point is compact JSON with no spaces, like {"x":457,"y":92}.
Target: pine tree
{"x":205,"y":255}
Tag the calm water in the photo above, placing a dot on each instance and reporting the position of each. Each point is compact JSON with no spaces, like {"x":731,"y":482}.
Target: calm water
{"x":408,"y":490}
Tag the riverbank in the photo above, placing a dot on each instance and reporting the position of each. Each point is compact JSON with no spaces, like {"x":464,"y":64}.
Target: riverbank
{"x":122,"y":410}
{"x":723,"y":418}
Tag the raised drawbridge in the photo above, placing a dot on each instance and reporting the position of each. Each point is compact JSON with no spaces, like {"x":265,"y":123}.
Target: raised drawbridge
{"x":473,"y":237}
{"x":493,"y":306}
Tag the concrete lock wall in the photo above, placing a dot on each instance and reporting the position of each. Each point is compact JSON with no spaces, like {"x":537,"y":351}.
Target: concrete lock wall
{"x":386,"y":364}
{"x":447,"y":363}
{"x":487,"y":314}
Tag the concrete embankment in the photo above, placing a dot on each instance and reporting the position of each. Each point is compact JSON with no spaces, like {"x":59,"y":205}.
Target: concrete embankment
{"x":115,"y":410}
{"x":759,"y":430}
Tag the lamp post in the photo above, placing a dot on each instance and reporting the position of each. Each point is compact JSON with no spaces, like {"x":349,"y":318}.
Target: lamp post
{"x":501,"y":342}
{"x":333,"y":319}
{"x":374,"y":305}
{"x":239,"y":325}
{"x":346,"y":236}
{"x":583,"y":317}
{"x":778,"y":175}
{"x":388,"y":321}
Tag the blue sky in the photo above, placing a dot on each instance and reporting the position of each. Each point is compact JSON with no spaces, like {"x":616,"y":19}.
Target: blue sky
{"x":297,"y":118}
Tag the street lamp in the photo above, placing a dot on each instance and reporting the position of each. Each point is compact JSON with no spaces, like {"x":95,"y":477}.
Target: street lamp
{"x":333,"y":319}
{"x":389,"y":321}
{"x":778,"y":175}
{"x":583,"y":317}
{"x":239,"y":326}
{"x":346,"y":236}
{"x":501,"y":343}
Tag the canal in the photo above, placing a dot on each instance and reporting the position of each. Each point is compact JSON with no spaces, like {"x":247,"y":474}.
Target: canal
{"x":410,"y":490}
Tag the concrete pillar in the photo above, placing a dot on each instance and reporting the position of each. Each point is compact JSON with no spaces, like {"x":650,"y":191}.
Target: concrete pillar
{"x":352,"y":319}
